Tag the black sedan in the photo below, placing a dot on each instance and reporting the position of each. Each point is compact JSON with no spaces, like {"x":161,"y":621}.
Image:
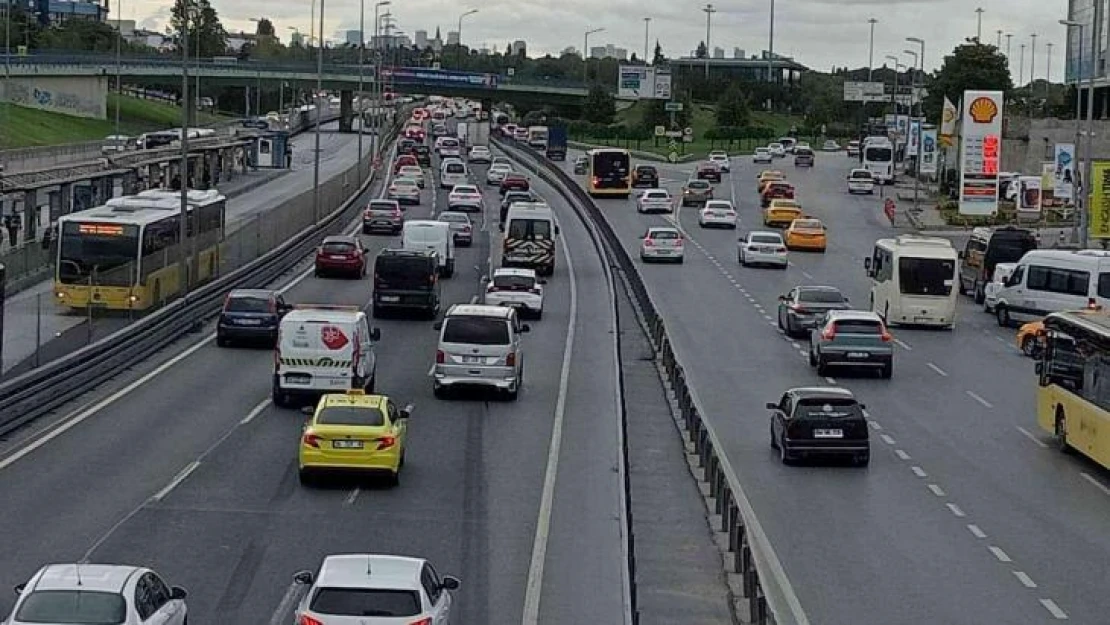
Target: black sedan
{"x":709,"y":171}
{"x":803,"y":306}
{"x":250,"y":315}
{"x":820,"y":422}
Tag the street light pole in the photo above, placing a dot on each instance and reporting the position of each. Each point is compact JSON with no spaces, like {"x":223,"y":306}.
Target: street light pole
{"x":1008,"y":38}
{"x":998,"y":44}
{"x":1087,"y":183}
{"x":979,"y":27}
{"x":920,"y":146}
{"x":458,"y":46}
{"x":1048,"y":70}
{"x":771,"y":57}
{"x":1021,"y":67}
{"x":894,"y":93}
{"x":319,"y":113}
{"x":871,"y":50}
{"x":119,"y":46}
{"x":586,"y":54}
{"x":1078,"y":109}
{"x":709,"y":11}
{"x":183,"y":175}
{"x":361,"y":49}
{"x":647,"y":31}
{"x":377,"y":86}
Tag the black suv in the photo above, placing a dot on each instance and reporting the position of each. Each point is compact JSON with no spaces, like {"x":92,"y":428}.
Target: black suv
{"x":406,"y":280}
{"x":645,"y":176}
{"x":250,"y":315}
{"x":423,"y":155}
{"x":819,"y":422}
{"x":514,"y":196}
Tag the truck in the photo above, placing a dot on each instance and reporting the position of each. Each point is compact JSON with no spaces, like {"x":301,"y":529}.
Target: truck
{"x":556,"y":143}
{"x":537,"y":137}
{"x":477,"y":133}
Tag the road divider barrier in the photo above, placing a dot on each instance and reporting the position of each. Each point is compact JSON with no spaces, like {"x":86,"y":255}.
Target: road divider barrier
{"x":764,"y":587}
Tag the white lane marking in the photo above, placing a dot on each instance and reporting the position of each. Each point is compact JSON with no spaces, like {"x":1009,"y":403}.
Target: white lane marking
{"x":903,"y":345}
{"x":956,"y":510}
{"x":352,"y":497}
{"x":178,"y":479}
{"x":830,"y":380}
{"x":918,"y":471}
{"x":1030,"y":436}
{"x":937,"y":490}
{"x":998,"y":553}
{"x":887,"y":439}
{"x":285,"y":606}
{"x":431,"y":371}
{"x":939,"y":371}
{"x":806,"y":274}
{"x":1054,"y":609}
{"x":902,"y":455}
{"x":975,"y":531}
{"x":533,"y":589}
{"x":257,"y":410}
{"x":772,"y":323}
{"x":1099,"y":485}
{"x":875,"y":425}
{"x":1025,"y":580}
{"x":979,"y":399}
{"x":473,"y":298}
{"x":767,"y":317}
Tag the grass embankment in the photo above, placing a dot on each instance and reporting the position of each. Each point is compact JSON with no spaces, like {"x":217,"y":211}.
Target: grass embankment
{"x":702,"y":118}
{"x":22,"y":127}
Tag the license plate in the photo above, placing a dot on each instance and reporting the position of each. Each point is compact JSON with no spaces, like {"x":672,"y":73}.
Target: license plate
{"x":391,"y":298}
{"x":832,"y":433}
{"x":857,"y":354}
{"x":298,"y":378}
{"x":338,"y":257}
{"x":472,"y":359}
{"x":250,"y":322}
{"x":382,"y":222}
{"x":347,"y":444}
{"x":922,"y":319}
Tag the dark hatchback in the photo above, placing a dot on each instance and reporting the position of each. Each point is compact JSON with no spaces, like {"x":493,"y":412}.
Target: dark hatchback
{"x":423,"y":155}
{"x":804,"y":157}
{"x":513,"y":182}
{"x":510,"y":198}
{"x":645,"y":176}
{"x":250,"y":315}
{"x":820,"y":422}
{"x":406,"y":280}
{"x":803,"y":306}
{"x":709,"y":171}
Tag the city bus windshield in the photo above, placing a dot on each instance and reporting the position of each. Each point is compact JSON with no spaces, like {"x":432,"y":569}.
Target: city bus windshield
{"x":105,"y":252}
{"x":878,"y":154}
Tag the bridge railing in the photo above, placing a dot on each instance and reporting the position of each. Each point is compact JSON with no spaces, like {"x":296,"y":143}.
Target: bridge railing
{"x":764,"y":584}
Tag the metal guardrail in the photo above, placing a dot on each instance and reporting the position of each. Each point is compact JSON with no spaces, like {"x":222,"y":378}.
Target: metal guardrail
{"x":764,"y":585}
{"x":41,"y":390}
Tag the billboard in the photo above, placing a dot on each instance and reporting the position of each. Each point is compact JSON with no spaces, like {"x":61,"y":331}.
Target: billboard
{"x":643,"y":83}
{"x":865,"y":92}
{"x":1098,"y":215}
{"x":929,"y":149}
{"x":422,"y":75}
{"x":911,"y":137}
{"x":662,"y":85}
{"x":1064,"y":178}
{"x":1029,"y":196}
{"x":980,"y":152}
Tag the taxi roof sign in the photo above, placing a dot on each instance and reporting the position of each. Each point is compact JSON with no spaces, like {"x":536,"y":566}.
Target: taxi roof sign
{"x":356,"y":391}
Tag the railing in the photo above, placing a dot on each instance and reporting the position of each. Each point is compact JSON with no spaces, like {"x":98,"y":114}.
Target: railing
{"x":764,"y":584}
{"x":41,"y":390}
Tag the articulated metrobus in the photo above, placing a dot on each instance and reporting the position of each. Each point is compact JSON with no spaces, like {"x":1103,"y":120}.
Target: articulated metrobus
{"x":1073,"y":379}
{"x":610,"y":173}
{"x":124,"y":255}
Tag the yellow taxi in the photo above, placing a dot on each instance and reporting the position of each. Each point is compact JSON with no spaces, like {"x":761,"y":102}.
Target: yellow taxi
{"x":767,"y":176}
{"x":807,"y":234}
{"x":781,"y":212}
{"x":354,"y":433}
{"x":1030,"y":338}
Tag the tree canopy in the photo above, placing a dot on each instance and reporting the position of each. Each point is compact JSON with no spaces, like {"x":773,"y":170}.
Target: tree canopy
{"x":202,"y":27}
{"x":732,"y":107}
{"x":600,"y":107}
{"x":970,"y":66}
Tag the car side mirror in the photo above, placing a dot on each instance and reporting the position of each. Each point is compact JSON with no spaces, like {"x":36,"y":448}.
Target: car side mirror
{"x":557,"y":231}
{"x":783,"y":298}
{"x":1039,"y":368}
{"x":179,"y":593}
{"x":308,"y":411}
{"x":526,"y":328}
{"x":772,"y":406}
{"x":867,"y":264}
{"x":450,"y":583}
{"x":863,"y":406}
{"x":406,"y":412}
{"x":304,"y":578}
{"x":437,"y":325}
{"x":960,"y":255}
{"x":376,"y":335}
{"x":19,"y":588}
{"x":542,"y":281}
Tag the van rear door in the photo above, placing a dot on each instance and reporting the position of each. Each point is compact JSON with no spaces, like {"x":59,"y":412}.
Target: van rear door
{"x":318,"y":355}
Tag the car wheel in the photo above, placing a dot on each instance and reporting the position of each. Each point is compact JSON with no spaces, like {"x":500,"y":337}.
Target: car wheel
{"x":812,"y":357}
{"x":782,"y":326}
{"x":784,"y":453}
{"x":222,"y":341}
{"x":394,"y":478}
{"x":1061,"y":432}
{"x":774,"y":441}
{"x":280,"y":399}
{"x":822,"y":366}
{"x":743,"y":261}
{"x":371,"y":384}
{"x":305,"y":477}
{"x":1002,"y":315}
{"x":978,"y":293}
{"x":439,"y":391}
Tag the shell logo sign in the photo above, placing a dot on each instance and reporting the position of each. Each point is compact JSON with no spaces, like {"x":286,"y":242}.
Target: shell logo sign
{"x":983,"y":110}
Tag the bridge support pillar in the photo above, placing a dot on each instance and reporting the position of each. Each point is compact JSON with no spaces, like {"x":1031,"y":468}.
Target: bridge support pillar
{"x":213,"y":167}
{"x":346,"y":110}
{"x":65,"y":199}
{"x":30,"y":215}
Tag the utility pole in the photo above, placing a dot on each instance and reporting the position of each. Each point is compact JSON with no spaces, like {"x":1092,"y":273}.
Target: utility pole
{"x":871,"y":50}
{"x":647,"y":31}
{"x":771,"y":56}
{"x":979,"y":28}
{"x":999,"y":43}
{"x":709,"y":11}
{"x":1008,"y":38}
{"x":319,"y":112}
{"x":1021,"y":67}
{"x":183,"y":175}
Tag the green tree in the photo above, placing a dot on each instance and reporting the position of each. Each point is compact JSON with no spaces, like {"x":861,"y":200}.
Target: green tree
{"x":203,"y":26}
{"x":600,"y":107}
{"x":702,"y":51}
{"x":265,"y":28}
{"x":732,"y":108}
{"x":970,"y":66}
{"x":657,"y":56}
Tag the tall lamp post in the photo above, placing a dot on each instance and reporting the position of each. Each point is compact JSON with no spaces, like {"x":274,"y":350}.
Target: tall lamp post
{"x":458,"y":46}
{"x":1008,"y":38}
{"x":586,"y":53}
{"x":183,"y":175}
{"x":771,"y":56}
{"x":361,"y":51}
{"x":1077,"y":233}
{"x":119,"y":46}
{"x":647,"y":32}
{"x":376,"y":88}
{"x":894,"y":93}
{"x":871,"y":50}
{"x":709,"y":11}
{"x":920,"y":146}
{"x":316,"y":101}
{"x":979,"y":27}
{"x":998,"y":43}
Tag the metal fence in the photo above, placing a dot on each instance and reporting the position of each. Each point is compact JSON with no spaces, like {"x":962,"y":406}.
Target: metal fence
{"x":764,"y":583}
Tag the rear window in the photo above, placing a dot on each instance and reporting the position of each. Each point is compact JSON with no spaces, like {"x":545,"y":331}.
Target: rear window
{"x":476,"y":330}
{"x":807,"y":224}
{"x":658,"y":195}
{"x":664,"y":234}
{"x":767,"y":239}
{"x":828,"y":408}
{"x":409,"y":270}
{"x":859,"y":326}
{"x":821,"y":296}
{"x":350,"y":415}
{"x":454,"y":217}
{"x":698,"y":184}
{"x":73,"y":607}
{"x":366,"y":602}
{"x":405,"y":182}
{"x":451,"y":143}
{"x":521,"y":283}
{"x":466,"y":190}
{"x":249,"y":304}
{"x":382,"y":206}
{"x":645,"y":169}
{"x":454,"y":168}
{"x":861,"y":175}
{"x":338,"y":247}
{"x":804,"y":152}
{"x":529,"y":229}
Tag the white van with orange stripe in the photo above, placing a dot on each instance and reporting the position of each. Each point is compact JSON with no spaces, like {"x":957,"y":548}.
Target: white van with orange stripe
{"x":323,"y":349}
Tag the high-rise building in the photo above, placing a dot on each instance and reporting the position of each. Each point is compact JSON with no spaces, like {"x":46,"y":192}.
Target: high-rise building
{"x":352,"y":37}
{"x":569,"y":50}
{"x":452,"y":37}
{"x":718,"y":52}
{"x":296,"y":39}
{"x":738,"y":53}
{"x":519,"y":47}
{"x":58,"y":12}
{"x":609,"y":51}
{"x":420,"y":38}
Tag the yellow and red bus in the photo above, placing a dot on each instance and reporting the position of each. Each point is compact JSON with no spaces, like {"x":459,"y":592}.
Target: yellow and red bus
{"x":124,"y":255}
{"x":610,"y":173}
{"x":1073,"y":394}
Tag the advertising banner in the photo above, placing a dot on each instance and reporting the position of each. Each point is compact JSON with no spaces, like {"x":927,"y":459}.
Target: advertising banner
{"x":948,"y":123}
{"x":929,"y":149}
{"x":1099,"y":214}
{"x":1029,"y":196}
{"x":980,"y":152}
{"x":1064,"y":177}
{"x":635,"y":81}
{"x":865,"y":92}
{"x":911,"y":137}
{"x":662,"y":85}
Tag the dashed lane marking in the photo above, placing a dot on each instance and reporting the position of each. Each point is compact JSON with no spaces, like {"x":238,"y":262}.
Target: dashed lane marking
{"x":875,"y":425}
{"x":257,"y":410}
{"x":975,"y":531}
{"x":1054,"y":609}
{"x":956,"y":510}
{"x":902,"y":455}
{"x":178,"y":479}
{"x":351,"y":497}
{"x":937,"y":490}
{"x":887,"y":439}
{"x":998,"y":553}
{"x":978,"y":398}
{"x":1036,"y":441}
{"x":1097,"y":484}
{"x":939,"y":371}
{"x":1025,"y":580}
{"x":919,"y":472}
{"x":830,"y":380}
{"x":903,"y":345}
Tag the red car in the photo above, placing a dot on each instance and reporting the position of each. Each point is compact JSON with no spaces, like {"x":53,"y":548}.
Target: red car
{"x":405,"y":160}
{"x":709,"y":171}
{"x":416,"y":133}
{"x":514,"y":182}
{"x":341,"y":254}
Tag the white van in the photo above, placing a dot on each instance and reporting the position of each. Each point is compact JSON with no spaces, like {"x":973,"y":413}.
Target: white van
{"x":425,"y":234}
{"x":323,"y":349}
{"x":1048,"y":281}
{"x":529,"y":242}
{"x":913,"y":281}
{"x":452,"y":172}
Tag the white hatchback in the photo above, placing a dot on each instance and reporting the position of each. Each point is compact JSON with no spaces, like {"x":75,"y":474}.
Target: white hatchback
{"x":497,"y":172}
{"x":465,"y":197}
{"x":777,"y":150}
{"x":762,"y":247}
{"x":479,"y":154}
{"x":721,"y":160}
{"x":98,"y":593}
{"x":516,"y":287}
{"x":861,"y":181}
{"x":662,"y":244}
{"x":717,"y":213}
{"x":655,"y":200}
{"x":763,"y":155}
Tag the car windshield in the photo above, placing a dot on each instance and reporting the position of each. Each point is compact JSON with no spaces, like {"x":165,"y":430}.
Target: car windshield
{"x":514,"y":282}
{"x":476,"y":330}
{"x":828,"y":408}
{"x":772,"y":239}
{"x":338,"y":247}
{"x":697,"y":184}
{"x":365,"y":602}
{"x":664,"y":234}
{"x":454,"y":217}
{"x":73,"y":607}
{"x":820,"y":296}
{"x":807,"y":224}
{"x":350,"y":415}
{"x":926,"y":276}
{"x":248,"y":304}
{"x":466,"y":190}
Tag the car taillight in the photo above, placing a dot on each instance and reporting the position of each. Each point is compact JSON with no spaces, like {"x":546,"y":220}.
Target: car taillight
{"x":310,"y":439}
{"x":887,"y":336}
{"x":510,"y":359}
{"x":678,"y":242}
{"x":798,"y":308}
{"x":780,"y":250}
{"x":440,"y":357}
{"x":1092,"y":304}
{"x":308,"y":620}
{"x":829,"y":333}
{"x":397,"y":212}
{"x":466,"y":228}
{"x":536,"y":290}
{"x":423,"y":621}
{"x":648,"y":242}
{"x":385,"y":442}
{"x":597,"y":180}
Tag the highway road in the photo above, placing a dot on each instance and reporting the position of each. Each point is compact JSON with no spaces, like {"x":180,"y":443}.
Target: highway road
{"x":965,"y":514}
{"x":184,"y":465}
{"x":59,"y":328}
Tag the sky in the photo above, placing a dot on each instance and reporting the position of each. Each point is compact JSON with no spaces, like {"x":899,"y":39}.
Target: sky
{"x":818,"y":33}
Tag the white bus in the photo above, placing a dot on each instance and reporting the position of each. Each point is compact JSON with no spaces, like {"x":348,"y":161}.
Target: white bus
{"x":877,"y":156}
{"x":913,"y":281}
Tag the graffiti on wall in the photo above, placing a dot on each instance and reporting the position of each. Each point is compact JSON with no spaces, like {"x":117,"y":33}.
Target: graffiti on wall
{"x":81,"y":97}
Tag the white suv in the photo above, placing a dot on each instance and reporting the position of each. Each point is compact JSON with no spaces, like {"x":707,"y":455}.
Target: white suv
{"x":371,"y":589}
